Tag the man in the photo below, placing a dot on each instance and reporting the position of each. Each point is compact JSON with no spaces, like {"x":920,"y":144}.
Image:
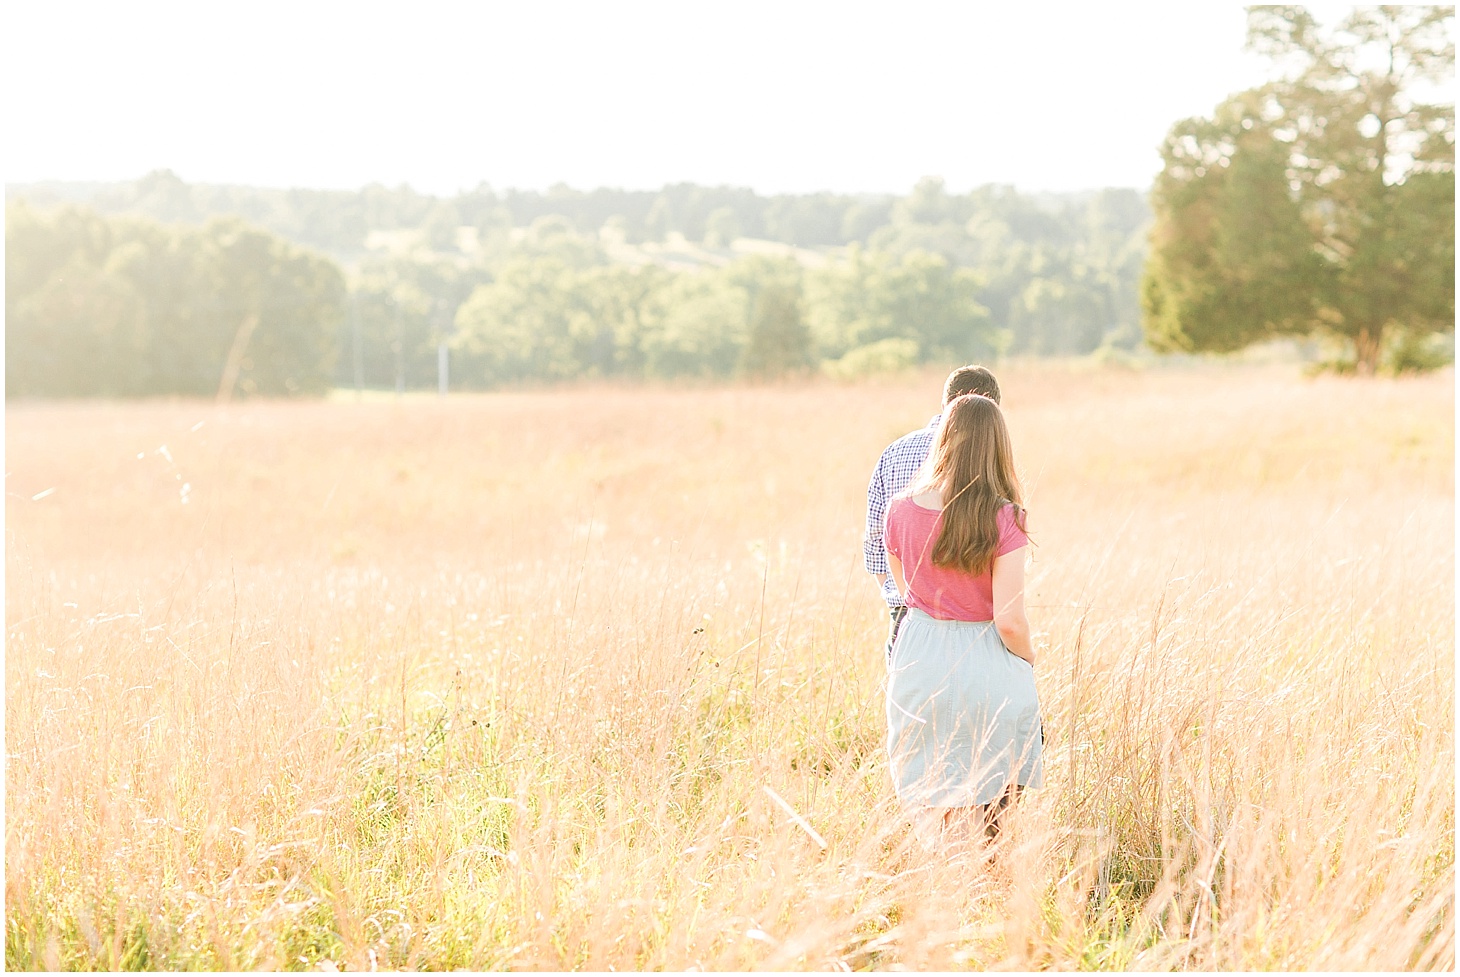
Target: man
{"x":895,"y":471}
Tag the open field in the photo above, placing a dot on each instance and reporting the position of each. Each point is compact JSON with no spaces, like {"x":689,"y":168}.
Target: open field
{"x":590,"y":679}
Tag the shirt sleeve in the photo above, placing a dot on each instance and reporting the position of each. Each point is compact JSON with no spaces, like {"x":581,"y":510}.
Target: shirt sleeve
{"x":1011,"y":537}
{"x":892,"y":540}
{"x":874,"y":553}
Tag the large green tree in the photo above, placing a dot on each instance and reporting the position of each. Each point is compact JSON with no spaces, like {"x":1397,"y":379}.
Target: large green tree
{"x":1323,"y":201}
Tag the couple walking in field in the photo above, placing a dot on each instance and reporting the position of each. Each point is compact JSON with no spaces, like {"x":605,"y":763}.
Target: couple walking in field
{"x":946,"y":538}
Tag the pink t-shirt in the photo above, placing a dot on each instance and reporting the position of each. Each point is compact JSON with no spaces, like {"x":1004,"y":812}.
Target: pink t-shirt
{"x":943,"y":592}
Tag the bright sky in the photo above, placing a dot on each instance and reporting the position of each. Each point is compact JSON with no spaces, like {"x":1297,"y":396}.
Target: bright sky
{"x":780,"y":96}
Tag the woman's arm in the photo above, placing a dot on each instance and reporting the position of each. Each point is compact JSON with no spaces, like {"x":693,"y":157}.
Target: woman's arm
{"x":1009,"y":615}
{"x":895,"y":565}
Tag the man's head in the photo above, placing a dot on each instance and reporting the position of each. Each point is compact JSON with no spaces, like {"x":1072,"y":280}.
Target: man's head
{"x":970,"y":380}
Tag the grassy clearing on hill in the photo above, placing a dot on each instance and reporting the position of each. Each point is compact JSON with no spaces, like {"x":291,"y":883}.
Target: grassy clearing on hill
{"x":540,"y":680}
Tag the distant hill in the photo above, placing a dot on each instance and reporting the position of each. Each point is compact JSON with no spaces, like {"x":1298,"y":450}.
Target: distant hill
{"x":348,"y":225}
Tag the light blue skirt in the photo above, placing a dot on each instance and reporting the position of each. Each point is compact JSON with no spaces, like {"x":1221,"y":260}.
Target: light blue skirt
{"x":962,"y":714}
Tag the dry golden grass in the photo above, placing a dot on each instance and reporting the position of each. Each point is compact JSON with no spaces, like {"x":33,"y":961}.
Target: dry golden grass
{"x":585,"y":679}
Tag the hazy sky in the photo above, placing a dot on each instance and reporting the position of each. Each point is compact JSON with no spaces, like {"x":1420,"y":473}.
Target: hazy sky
{"x":780,"y":96}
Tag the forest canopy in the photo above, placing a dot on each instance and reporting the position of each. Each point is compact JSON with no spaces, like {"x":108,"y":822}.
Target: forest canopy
{"x":144,"y":287}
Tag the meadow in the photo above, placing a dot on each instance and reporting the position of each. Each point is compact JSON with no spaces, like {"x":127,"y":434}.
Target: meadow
{"x":591,"y":678}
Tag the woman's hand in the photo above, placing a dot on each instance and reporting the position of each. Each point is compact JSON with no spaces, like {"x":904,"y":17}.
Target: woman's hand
{"x":895,"y":565}
{"x":1009,"y":617}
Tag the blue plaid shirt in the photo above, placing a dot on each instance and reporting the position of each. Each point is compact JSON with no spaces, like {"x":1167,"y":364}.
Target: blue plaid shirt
{"x":894,"y":472}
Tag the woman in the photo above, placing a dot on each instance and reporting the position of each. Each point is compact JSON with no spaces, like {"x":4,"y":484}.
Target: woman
{"x":963,"y":727}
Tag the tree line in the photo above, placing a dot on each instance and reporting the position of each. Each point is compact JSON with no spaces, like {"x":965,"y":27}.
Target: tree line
{"x":542,"y":316}
{"x":123,"y":306}
{"x":119,"y":306}
{"x":120,"y":303}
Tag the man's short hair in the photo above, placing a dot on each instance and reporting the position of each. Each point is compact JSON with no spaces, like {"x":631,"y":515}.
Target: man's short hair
{"x":971,"y":380}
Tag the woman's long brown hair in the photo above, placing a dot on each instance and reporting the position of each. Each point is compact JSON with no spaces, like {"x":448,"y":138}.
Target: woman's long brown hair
{"x":972,"y":467}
